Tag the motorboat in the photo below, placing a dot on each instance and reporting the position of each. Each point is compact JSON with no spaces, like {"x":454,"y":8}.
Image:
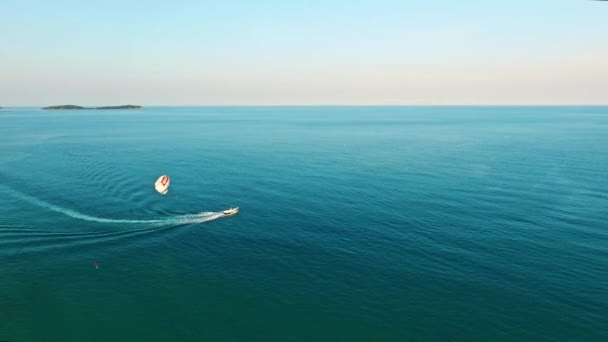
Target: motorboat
{"x":231,"y":211}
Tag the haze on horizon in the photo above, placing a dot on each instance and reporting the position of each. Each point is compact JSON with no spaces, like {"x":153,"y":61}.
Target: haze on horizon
{"x":409,"y":52}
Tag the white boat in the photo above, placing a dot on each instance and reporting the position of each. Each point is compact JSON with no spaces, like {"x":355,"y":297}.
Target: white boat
{"x":231,"y":211}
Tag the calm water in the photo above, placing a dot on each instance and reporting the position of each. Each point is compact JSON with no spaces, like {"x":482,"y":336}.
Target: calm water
{"x":356,"y":224}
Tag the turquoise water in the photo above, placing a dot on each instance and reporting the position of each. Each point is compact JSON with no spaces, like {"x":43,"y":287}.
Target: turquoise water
{"x":356,"y":224}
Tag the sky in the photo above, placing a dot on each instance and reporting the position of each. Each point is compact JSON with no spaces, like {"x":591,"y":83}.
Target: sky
{"x":279,"y":52}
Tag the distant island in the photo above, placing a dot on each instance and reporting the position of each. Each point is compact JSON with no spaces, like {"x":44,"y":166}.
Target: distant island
{"x":121,"y":107}
{"x":62,"y":107}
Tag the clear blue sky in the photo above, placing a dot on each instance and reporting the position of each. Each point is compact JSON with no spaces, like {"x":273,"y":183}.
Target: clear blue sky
{"x":303,"y":52}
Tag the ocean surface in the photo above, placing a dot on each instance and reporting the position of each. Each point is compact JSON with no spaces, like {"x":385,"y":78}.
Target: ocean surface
{"x":356,"y":224}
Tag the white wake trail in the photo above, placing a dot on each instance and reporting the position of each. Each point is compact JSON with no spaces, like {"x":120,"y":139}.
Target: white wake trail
{"x":180,"y":219}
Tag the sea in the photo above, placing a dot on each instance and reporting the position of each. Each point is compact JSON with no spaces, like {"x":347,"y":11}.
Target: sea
{"x":356,"y":223}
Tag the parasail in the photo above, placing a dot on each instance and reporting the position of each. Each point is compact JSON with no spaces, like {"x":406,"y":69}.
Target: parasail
{"x":162,"y":184}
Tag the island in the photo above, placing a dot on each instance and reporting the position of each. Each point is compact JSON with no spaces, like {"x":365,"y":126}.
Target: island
{"x":121,"y":107}
{"x":73,"y":107}
{"x":64,"y":107}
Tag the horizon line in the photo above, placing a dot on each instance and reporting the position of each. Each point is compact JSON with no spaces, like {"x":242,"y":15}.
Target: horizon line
{"x":336,"y":105}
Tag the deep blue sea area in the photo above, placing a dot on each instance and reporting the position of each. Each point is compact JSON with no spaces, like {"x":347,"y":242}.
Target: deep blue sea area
{"x":356,"y":224}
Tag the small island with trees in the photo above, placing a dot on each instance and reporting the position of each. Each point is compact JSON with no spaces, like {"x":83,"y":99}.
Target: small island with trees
{"x":73,"y":107}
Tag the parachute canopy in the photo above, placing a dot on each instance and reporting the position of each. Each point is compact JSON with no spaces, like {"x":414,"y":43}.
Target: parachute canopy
{"x":162,"y":184}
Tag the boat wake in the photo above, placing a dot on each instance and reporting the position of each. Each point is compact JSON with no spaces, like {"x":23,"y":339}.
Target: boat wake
{"x":173,"y":220}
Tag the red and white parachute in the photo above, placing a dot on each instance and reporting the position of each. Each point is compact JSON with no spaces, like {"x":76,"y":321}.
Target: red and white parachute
{"x":162,"y":184}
